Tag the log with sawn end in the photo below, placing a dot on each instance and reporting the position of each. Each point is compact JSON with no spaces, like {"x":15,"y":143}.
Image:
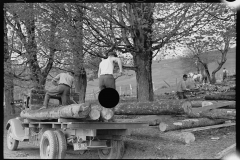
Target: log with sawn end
{"x":157,"y":107}
{"x":69,"y":111}
{"x":188,"y":123}
{"x":153,"y":132}
{"x":106,"y":114}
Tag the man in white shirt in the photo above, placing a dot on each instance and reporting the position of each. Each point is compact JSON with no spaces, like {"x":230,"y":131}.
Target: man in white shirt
{"x":105,"y":72}
{"x":181,"y":88}
{"x":65,"y":82}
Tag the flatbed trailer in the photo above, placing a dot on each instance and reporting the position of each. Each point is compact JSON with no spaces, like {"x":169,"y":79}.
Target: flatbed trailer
{"x":53,"y":136}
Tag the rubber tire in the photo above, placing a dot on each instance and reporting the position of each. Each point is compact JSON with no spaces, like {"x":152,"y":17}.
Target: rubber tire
{"x":50,"y":138}
{"x":62,"y":144}
{"x":12,"y":144}
{"x":116,"y":152}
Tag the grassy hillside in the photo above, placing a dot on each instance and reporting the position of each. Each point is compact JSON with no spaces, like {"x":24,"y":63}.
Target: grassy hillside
{"x":167,"y":70}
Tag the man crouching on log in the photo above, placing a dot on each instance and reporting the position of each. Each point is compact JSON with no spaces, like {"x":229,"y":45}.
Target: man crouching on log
{"x":181,"y":88}
{"x":105,"y":71}
{"x":65,"y":82}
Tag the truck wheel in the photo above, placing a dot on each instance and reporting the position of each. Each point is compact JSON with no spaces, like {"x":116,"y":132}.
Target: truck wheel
{"x":11,"y":143}
{"x":49,"y":145}
{"x":62,"y":144}
{"x":116,"y":152}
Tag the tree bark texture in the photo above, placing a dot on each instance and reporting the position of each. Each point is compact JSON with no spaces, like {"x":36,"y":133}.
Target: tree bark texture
{"x":69,"y":111}
{"x":8,"y":76}
{"x":188,"y":123}
{"x":201,"y":103}
{"x":165,"y":107}
{"x":230,"y":96}
{"x":182,"y":137}
{"x":142,"y":20}
{"x":216,"y":114}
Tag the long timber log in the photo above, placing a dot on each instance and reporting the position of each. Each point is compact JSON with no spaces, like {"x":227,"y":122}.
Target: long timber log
{"x":188,"y":123}
{"x":216,"y":114}
{"x":230,"y":96}
{"x":226,"y":104}
{"x":153,"y":132}
{"x":158,"y":107}
{"x":69,"y":111}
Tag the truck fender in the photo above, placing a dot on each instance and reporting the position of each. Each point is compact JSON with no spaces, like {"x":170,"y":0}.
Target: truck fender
{"x":18,"y":131}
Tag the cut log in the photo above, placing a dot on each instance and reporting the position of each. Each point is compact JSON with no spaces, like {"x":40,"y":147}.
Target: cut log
{"x":228,"y":104}
{"x":158,"y":107}
{"x":208,"y":127}
{"x":152,"y":120}
{"x":153,"y":132}
{"x":106,"y":114}
{"x":230,"y":96}
{"x":216,"y":114}
{"x":69,"y":111}
{"x":94,"y":114}
{"x":188,"y":123}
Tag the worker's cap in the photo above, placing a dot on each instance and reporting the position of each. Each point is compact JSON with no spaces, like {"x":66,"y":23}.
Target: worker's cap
{"x":112,"y":54}
{"x":185,"y":76}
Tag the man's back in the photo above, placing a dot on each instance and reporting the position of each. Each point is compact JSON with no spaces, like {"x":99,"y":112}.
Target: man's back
{"x":65,"y":78}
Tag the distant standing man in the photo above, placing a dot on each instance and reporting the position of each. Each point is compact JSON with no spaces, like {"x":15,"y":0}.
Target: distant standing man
{"x":181,"y":88}
{"x":105,"y":71}
{"x":63,"y":83}
{"x":225,"y":73}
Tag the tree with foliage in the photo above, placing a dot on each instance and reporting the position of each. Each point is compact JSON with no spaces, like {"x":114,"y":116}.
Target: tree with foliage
{"x":142,"y":29}
{"x":210,"y":39}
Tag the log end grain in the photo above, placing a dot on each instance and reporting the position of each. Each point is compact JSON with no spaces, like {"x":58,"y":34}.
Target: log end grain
{"x":162,"y":126}
{"x":94,"y":114}
{"x":106,"y":114}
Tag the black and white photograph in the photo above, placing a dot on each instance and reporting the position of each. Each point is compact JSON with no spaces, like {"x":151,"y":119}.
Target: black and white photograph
{"x":120,"y":80}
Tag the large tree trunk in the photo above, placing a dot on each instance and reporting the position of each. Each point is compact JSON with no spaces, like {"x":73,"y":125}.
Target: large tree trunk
{"x":8,"y":77}
{"x":142,"y":15}
{"x":69,"y":111}
{"x":188,"y":123}
{"x":152,"y":108}
{"x":78,"y":55}
{"x":229,"y":96}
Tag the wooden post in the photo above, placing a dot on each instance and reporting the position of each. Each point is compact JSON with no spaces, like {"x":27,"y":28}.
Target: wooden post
{"x":120,"y":90}
{"x":130,"y":89}
{"x":154,"y":87}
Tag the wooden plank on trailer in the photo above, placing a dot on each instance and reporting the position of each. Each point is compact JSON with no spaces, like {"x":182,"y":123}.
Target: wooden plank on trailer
{"x":61,"y":120}
{"x":208,"y":127}
{"x":45,"y":125}
{"x":106,"y":125}
{"x":113,"y":132}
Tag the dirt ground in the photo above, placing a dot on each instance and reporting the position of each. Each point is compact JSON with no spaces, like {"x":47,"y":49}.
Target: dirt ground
{"x":144,"y":147}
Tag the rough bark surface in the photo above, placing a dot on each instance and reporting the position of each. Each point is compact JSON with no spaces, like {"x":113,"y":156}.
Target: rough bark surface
{"x":165,"y":107}
{"x":188,"y":123}
{"x":182,"y":137}
{"x":196,"y":104}
{"x":216,"y":113}
{"x":230,"y":96}
{"x":70,"y":111}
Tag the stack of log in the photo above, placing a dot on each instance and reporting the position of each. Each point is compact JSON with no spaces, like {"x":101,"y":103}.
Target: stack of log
{"x":84,"y":112}
{"x":191,"y":114}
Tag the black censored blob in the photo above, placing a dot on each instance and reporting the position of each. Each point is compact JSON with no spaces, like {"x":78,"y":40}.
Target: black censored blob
{"x":230,"y":0}
{"x":108,"y":97}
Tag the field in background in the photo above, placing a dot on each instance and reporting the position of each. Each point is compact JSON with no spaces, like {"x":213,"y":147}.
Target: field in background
{"x":169,"y":70}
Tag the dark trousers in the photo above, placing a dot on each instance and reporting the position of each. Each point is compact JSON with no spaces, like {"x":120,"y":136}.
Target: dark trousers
{"x":61,"y":89}
{"x":106,"y":81}
{"x":181,"y":95}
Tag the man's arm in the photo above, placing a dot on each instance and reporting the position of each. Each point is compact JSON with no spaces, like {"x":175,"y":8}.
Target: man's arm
{"x":118,"y":60}
{"x":99,"y":71}
{"x":55,"y":79}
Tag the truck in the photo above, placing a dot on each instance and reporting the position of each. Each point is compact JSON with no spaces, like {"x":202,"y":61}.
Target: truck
{"x":54,"y":137}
